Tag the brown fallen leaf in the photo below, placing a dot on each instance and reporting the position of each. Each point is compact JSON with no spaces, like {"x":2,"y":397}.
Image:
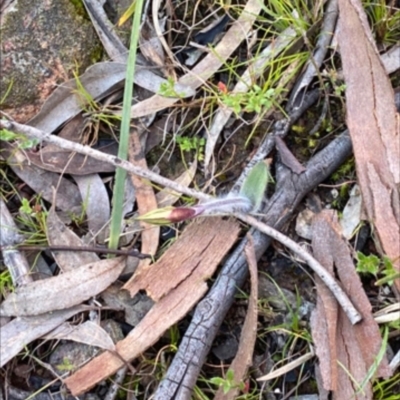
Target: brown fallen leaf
{"x":244,"y":356}
{"x":170,"y":309}
{"x":346,"y":352}
{"x":55,"y":159}
{"x":374,"y":126}
{"x":63,"y":291}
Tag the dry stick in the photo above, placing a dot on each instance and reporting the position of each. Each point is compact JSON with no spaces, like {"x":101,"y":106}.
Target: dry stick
{"x":353,"y":315}
{"x":318,"y":57}
{"x":98,"y":155}
{"x":343,"y":300}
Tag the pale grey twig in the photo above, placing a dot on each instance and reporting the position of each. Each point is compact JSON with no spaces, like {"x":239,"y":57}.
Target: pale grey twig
{"x":116,"y":384}
{"x":98,"y":155}
{"x":353,"y":315}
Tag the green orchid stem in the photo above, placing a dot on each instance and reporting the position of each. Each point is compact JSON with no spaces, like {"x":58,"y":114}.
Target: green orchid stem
{"x":120,"y":176}
{"x":224,"y":206}
{"x":227,"y":205}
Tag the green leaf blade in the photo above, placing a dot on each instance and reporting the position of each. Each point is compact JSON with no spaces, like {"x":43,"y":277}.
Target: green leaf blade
{"x":255,"y":184}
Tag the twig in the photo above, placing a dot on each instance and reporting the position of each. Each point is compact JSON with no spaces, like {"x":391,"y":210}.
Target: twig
{"x":315,"y":61}
{"x":91,"y":249}
{"x":116,"y":384}
{"x":98,"y":155}
{"x":353,"y":315}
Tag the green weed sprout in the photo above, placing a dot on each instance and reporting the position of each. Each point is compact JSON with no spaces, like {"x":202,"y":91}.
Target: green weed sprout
{"x":167,"y":89}
{"x":187,"y":144}
{"x":23,"y":141}
{"x":228,"y":383}
{"x":373,"y":265}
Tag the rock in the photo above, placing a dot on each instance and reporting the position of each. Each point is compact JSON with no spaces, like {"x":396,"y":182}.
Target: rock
{"x":43,"y":42}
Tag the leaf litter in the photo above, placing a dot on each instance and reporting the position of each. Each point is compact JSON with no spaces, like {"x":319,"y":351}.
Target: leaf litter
{"x":198,"y":251}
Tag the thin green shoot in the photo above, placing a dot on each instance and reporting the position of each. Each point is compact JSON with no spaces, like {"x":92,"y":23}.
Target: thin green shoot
{"x":91,"y":107}
{"x":127,"y":14}
{"x":32,"y":221}
{"x":284,"y":14}
{"x":174,"y":337}
{"x":198,"y":394}
{"x":387,"y":389}
{"x":120,"y":176}
{"x":10,"y":85}
{"x":6,"y":283}
{"x":85,"y":99}
{"x":385,"y":21}
{"x":378,"y":359}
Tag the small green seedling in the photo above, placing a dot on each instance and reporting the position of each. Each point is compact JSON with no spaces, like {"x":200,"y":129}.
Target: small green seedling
{"x":188,"y":144}
{"x":22,"y":141}
{"x":167,"y":89}
{"x":6,"y":283}
{"x":367,"y":264}
{"x":255,"y":100}
{"x":375,"y":266}
{"x":228,"y":382}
